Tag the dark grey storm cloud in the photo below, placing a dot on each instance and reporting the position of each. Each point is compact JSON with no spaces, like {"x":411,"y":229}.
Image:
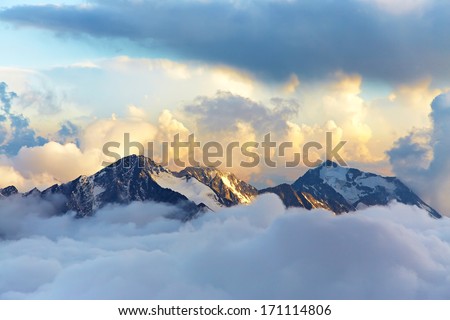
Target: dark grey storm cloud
{"x":270,"y":38}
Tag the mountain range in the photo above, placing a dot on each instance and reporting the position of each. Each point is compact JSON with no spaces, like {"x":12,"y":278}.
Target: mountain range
{"x":202,"y":189}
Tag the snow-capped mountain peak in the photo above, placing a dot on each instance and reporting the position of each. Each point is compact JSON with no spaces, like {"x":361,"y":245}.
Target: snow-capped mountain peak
{"x":138,"y":178}
{"x":199,"y":189}
{"x":354,"y":184}
{"x":8,"y":191}
{"x":127,"y":180}
{"x":347,"y":189}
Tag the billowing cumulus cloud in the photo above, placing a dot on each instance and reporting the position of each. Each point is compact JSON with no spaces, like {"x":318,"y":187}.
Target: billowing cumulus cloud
{"x":261,"y":251}
{"x":224,"y":117}
{"x":245,"y":110}
{"x":270,"y":38}
{"x":9,"y":175}
{"x":336,"y":106}
{"x":421,"y":158}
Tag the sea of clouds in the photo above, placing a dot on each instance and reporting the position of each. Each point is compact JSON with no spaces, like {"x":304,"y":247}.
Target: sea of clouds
{"x":260,"y":251}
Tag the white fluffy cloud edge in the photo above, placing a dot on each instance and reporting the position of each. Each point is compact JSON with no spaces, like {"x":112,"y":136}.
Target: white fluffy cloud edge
{"x":259,"y":251}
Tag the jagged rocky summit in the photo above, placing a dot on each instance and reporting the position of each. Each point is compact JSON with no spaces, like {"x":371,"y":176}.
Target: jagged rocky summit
{"x":340,"y":189}
{"x":201,"y":189}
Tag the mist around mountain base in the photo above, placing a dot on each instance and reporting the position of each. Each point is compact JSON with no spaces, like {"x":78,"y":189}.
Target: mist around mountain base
{"x":256,"y":251}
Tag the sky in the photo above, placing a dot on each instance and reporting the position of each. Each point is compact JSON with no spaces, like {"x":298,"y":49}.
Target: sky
{"x":77,"y":74}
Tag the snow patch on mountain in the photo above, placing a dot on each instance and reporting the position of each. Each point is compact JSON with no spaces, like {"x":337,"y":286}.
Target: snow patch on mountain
{"x":189,"y":187}
{"x":242,"y":197}
{"x":197,"y":189}
{"x":354,"y":186}
{"x":229,"y":189}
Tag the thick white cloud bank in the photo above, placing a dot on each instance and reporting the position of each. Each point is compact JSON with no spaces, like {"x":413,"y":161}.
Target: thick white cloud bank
{"x":261,"y":251}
